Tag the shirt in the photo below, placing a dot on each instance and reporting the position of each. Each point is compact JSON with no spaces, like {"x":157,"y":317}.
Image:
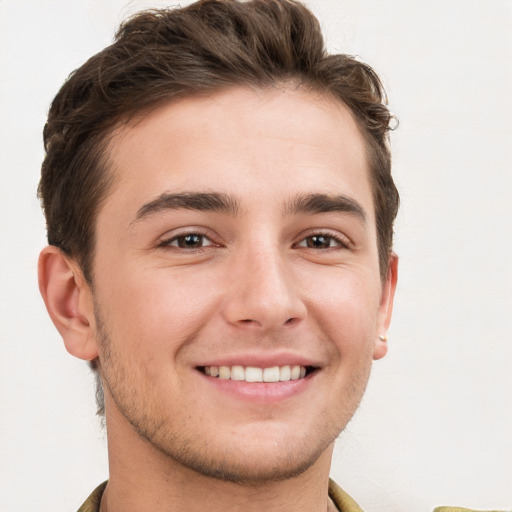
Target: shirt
{"x":343,"y":502}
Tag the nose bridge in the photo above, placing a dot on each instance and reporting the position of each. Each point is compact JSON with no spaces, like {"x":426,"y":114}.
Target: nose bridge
{"x":264,"y":294}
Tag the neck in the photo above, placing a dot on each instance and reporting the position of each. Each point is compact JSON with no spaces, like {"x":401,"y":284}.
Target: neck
{"x":175,"y":493}
{"x":143,"y":478}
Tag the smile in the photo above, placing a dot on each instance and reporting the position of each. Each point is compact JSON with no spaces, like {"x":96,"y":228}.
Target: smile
{"x":254,"y":374}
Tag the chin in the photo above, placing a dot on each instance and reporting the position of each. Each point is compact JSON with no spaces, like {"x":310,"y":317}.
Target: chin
{"x":251,"y":465}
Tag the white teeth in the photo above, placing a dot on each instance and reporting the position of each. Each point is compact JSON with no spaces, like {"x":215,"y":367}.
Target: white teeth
{"x":284,"y":373}
{"x":271,"y":374}
{"x":295,"y":372}
{"x":254,"y":374}
{"x":237,"y":373}
{"x":224,"y":372}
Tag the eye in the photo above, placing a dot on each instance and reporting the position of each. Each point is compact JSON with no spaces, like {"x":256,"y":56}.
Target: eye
{"x":322,"y":241}
{"x":188,"y":241}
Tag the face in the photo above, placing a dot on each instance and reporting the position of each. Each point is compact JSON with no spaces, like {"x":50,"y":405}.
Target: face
{"x":237,"y":292}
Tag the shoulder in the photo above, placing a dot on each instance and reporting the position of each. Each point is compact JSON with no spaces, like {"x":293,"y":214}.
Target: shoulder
{"x":461,"y":509}
{"x":92,"y":503}
{"x":344,"y":503}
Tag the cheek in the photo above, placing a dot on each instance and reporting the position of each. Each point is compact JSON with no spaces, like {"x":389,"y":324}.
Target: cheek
{"x":346,"y":309}
{"x":160,"y":309}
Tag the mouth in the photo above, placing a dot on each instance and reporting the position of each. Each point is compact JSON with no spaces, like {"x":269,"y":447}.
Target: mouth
{"x":252,"y":374}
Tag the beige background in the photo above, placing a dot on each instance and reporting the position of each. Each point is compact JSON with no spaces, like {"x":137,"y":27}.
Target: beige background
{"x":436,"y":424}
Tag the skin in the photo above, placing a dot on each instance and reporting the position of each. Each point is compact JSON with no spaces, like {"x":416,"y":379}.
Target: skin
{"x":253,"y":288}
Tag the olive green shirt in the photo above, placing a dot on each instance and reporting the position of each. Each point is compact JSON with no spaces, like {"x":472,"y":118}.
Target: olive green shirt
{"x":343,"y":502}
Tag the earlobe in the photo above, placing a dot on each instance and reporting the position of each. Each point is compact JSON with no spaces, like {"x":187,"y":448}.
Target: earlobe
{"x":68,"y":299}
{"x":381,"y":347}
{"x":386,"y":308}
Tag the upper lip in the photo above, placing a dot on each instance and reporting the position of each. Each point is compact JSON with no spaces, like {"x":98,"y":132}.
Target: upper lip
{"x":256,"y":360}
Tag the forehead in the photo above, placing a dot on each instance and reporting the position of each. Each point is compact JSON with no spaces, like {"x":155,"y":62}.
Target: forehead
{"x":251,"y":144}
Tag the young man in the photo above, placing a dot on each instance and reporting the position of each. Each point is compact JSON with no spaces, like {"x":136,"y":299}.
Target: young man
{"x":219,"y":206}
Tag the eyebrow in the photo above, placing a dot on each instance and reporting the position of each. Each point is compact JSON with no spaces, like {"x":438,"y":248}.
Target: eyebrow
{"x":225,"y":203}
{"x":201,"y":201}
{"x":324,"y":203}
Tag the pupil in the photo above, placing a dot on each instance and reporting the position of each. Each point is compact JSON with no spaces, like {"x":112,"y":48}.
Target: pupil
{"x":318,"y":241}
{"x":191,"y":241}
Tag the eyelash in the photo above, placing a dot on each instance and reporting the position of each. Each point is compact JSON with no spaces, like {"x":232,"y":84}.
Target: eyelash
{"x":173,"y":243}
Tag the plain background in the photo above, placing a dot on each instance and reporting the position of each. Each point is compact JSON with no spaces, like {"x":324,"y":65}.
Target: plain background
{"x":435,"y":426}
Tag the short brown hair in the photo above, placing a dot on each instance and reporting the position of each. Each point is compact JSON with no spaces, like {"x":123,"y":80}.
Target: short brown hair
{"x":203,"y":48}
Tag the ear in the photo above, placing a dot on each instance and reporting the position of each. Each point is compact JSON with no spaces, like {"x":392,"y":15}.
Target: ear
{"x":69,"y":302}
{"x":386,"y":307}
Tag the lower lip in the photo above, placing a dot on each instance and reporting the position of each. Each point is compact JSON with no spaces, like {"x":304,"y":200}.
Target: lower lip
{"x":260,"y":392}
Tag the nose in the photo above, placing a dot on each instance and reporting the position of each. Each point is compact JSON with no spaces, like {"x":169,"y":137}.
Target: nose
{"x":263,"y":294}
